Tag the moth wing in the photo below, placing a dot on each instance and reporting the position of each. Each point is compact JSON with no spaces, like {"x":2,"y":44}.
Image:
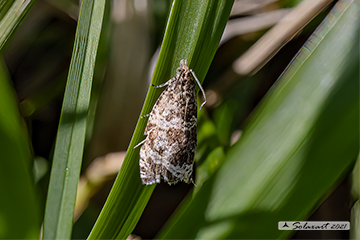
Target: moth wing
{"x":182,"y":141}
{"x":161,"y":104}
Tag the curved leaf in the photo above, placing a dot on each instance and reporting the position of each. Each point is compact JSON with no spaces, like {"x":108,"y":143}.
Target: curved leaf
{"x":301,"y":141}
{"x":19,"y":211}
{"x":193,"y":33}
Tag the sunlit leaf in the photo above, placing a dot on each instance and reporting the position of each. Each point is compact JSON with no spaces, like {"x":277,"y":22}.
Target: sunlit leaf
{"x":11,"y":14}
{"x":300,"y":142}
{"x":193,"y":33}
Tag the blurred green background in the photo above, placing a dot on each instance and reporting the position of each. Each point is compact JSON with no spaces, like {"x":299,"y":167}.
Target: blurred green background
{"x":262,"y":143}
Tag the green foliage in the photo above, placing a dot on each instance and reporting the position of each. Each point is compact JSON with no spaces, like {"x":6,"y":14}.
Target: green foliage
{"x":72,"y":126}
{"x":300,"y":141}
{"x":297,"y":145}
{"x":11,"y":14}
{"x":193,"y":32}
{"x":19,"y":211}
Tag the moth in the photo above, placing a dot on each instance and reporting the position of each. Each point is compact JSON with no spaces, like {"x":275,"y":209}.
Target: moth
{"x":169,"y":147}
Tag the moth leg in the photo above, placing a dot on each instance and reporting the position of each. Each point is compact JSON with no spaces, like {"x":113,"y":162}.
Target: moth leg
{"x":164,"y":84}
{"x":161,"y":85}
{"x":147,"y":132}
{"x":146,"y":115}
{"x":140,"y":143}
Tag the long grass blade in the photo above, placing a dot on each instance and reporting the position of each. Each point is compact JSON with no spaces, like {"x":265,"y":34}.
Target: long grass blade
{"x":19,"y":211}
{"x":193,"y":32}
{"x":71,"y":132}
{"x":11,"y":14}
{"x":300,"y":143}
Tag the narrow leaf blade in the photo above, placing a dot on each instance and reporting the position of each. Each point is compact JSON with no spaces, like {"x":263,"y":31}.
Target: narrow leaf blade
{"x":19,"y":211}
{"x":11,"y":14}
{"x":300,"y":142}
{"x":72,"y":126}
{"x":193,"y":33}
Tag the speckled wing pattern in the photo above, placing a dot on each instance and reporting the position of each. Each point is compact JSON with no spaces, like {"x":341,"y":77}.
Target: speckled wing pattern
{"x":169,"y":148}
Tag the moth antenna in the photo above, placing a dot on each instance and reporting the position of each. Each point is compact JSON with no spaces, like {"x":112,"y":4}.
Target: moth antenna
{"x":202,"y":90}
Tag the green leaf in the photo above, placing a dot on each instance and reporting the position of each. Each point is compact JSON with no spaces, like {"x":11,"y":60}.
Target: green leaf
{"x":11,"y":14}
{"x":355,"y":210}
{"x":355,"y":221}
{"x":72,"y":126}
{"x":19,"y":211}
{"x":209,"y":167}
{"x":355,"y":179}
{"x":300,"y":143}
{"x":193,"y":33}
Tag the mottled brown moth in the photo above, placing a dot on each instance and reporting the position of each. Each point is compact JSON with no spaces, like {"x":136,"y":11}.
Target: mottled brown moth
{"x":169,"y":147}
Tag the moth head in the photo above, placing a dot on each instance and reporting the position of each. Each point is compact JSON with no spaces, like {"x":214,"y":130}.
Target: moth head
{"x":183,"y":66}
